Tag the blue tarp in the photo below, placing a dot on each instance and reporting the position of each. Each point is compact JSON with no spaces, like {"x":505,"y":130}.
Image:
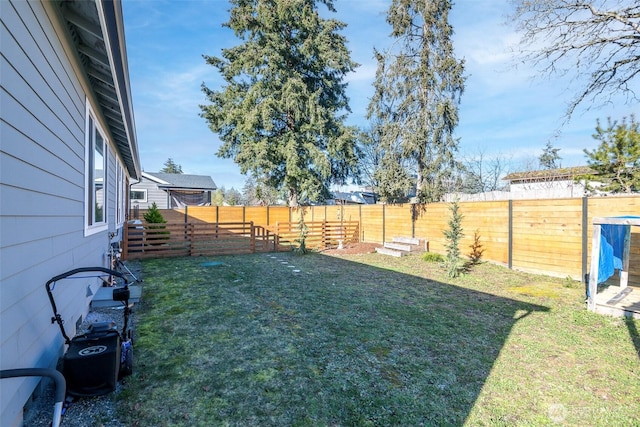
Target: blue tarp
{"x":611,"y":249}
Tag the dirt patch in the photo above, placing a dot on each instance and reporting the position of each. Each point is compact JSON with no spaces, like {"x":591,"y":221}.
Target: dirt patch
{"x":352,"y":249}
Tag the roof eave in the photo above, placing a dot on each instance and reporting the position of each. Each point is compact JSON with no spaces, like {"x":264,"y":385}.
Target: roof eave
{"x":113,"y":23}
{"x":96,"y":33}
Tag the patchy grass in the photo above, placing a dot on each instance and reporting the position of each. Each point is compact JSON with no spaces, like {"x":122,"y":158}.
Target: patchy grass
{"x":371,"y":340}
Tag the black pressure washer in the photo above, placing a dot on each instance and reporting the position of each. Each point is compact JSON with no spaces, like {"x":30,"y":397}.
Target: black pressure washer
{"x":96,"y":359}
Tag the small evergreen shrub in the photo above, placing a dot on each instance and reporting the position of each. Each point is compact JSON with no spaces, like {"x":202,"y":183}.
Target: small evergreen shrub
{"x":453,"y":262}
{"x":153,"y":216}
{"x":476,"y":249}
{"x":303,"y":230}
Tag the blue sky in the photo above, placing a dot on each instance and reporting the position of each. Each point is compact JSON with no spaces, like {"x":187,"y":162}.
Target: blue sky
{"x":505,"y":110}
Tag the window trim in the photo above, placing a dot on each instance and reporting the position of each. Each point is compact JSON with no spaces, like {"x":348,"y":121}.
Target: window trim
{"x":93,"y":128}
{"x":121,"y":191}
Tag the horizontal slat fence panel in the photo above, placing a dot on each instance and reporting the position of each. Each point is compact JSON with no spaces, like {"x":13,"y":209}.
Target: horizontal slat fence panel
{"x":230,"y":213}
{"x":256,"y":214}
{"x":549,"y":236}
{"x":430,"y":221}
{"x":278,"y":214}
{"x":397,"y":221}
{"x":491,"y":221}
{"x":207,"y":214}
{"x":196,"y":239}
{"x":154,"y":241}
{"x":372,"y":224}
{"x":351,"y":213}
{"x":318,"y":213}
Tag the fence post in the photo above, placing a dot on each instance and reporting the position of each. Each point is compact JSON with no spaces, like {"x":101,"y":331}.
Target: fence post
{"x":585,"y":235}
{"x":360,"y":231}
{"x":384,"y":223}
{"x":125,"y":239}
{"x":413,"y":220}
{"x":186,"y":237}
{"x":190,"y":227}
{"x":253,"y":238}
{"x":510,"y":244}
{"x":323,"y":240}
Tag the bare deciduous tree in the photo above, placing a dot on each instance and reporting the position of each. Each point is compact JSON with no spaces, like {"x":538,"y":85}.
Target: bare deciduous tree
{"x":484,"y":173}
{"x":598,"y":41}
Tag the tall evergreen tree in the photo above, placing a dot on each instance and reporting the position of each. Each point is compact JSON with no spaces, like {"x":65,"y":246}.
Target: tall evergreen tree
{"x":256,"y":193}
{"x":393,"y":180}
{"x":171,"y":167}
{"x":417,"y":90}
{"x":616,"y":161}
{"x":233,"y":197}
{"x":281,"y":112}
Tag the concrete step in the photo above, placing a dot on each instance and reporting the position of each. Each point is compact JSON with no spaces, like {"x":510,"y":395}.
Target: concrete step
{"x":400,"y":246}
{"x":392,"y":252}
{"x":407,"y":240}
{"x":104,"y":296}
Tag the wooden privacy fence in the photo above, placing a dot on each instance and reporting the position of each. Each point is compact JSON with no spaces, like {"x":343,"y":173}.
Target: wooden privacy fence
{"x":548,"y":236}
{"x":176,"y":238}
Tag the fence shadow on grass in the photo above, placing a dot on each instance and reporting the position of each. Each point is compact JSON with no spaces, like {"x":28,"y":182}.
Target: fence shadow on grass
{"x":276,"y":339}
{"x":633,"y":334}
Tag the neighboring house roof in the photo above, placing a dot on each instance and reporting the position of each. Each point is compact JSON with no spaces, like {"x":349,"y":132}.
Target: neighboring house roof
{"x":97,"y":31}
{"x":181,"y":181}
{"x":548,"y":174}
{"x":358,"y":197}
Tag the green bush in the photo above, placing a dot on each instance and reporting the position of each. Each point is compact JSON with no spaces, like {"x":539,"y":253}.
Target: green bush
{"x":432,"y":257}
{"x":303,"y":230}
{"x":453,"y":262}
{"x":153,"y":216}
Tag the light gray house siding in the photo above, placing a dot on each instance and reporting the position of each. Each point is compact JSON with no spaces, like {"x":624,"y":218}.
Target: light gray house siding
{"x":43,"y":101}
{"x":168,"y":190}
{"x":153,"y":194}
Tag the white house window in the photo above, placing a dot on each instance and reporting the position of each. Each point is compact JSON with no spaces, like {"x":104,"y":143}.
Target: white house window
{"x":95,"y":176}
{"x":138,"y":195}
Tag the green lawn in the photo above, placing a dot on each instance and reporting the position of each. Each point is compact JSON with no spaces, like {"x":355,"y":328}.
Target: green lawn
{"x":372,"y":340}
